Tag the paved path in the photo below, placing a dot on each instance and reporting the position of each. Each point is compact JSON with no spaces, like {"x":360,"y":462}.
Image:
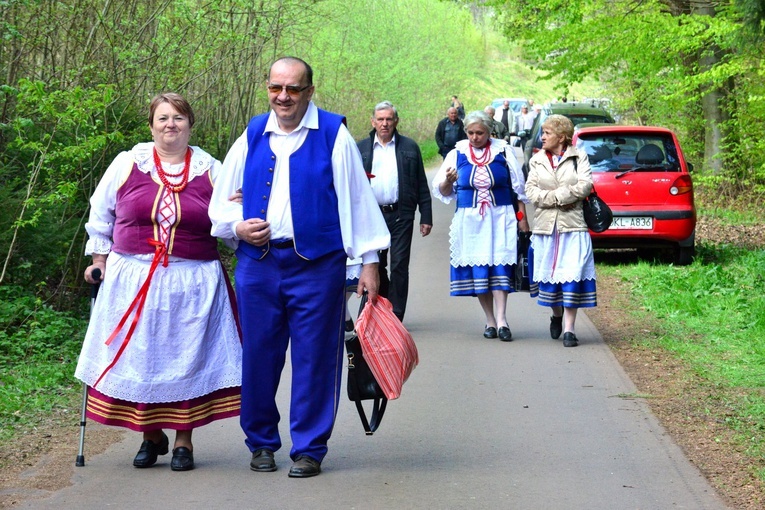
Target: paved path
{"x":481,"y":424}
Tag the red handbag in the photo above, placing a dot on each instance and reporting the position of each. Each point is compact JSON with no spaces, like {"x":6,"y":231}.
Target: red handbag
{"x":387,"y":346}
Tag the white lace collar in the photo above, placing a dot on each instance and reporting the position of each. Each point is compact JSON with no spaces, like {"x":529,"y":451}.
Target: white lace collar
{"x":143,"y":156}
{"x":497,"y":146}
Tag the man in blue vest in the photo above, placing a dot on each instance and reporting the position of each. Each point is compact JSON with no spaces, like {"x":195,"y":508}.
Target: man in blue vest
{"x":306,"y":207}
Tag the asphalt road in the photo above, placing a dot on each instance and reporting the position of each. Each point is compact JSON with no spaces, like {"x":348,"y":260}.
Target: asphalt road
{"x":481,"y":424}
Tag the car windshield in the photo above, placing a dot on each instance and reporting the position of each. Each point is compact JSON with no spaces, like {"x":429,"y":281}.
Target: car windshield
{"x":609,"y":152}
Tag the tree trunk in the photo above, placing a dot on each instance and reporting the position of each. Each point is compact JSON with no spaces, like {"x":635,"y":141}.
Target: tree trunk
{"x":713,"y":99}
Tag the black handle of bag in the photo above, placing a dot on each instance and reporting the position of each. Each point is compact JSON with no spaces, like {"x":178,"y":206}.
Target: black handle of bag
{"x":378,"y":405}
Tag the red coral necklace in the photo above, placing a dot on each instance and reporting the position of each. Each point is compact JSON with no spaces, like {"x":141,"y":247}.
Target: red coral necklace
{"x":485,"y":157}
{"x":184,"y":174}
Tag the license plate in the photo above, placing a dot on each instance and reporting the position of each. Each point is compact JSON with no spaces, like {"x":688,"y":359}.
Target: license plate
{"x":632,"y":223}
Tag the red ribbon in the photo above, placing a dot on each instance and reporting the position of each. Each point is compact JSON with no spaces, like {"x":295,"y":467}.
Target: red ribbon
{"x":484,"y":205}
{"x":160,"y":254}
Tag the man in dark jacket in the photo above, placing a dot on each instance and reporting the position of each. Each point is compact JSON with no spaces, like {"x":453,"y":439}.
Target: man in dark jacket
{"x":449,"y":131}
{"x":400,"y":186}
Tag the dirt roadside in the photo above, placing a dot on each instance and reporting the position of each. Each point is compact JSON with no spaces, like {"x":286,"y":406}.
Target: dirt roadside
{"x":42,"y":459}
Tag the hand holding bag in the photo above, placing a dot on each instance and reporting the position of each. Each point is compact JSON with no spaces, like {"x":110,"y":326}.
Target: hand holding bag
{"x":597,"y":214}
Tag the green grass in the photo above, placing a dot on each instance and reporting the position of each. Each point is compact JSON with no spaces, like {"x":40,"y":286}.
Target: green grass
{"x":712,"y":316}
{"x":429,"y":151}
{"x":38,"y":351}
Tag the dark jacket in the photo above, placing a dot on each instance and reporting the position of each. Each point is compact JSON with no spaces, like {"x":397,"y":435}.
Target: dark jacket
{"x":413,"y":188}
{"x":443,"y":148}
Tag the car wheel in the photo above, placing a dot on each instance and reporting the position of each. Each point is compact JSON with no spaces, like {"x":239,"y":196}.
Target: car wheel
{"x":684,"y":255}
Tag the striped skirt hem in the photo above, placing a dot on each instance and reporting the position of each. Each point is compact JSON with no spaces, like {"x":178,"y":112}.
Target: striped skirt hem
{"x":568,"y":295}
{"x":183,"y":415}
{"x":475,"y":280}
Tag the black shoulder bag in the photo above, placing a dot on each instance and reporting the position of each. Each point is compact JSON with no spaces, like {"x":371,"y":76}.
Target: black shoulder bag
{"x":597,"y":214}
{"x":362,"y":384}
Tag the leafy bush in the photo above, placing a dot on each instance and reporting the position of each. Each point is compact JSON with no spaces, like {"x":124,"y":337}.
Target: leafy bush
{"x":38,"y":350}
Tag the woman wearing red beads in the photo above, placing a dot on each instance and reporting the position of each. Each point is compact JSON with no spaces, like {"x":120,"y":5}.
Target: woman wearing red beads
{"x":482,"y":174}
{"x":162,"y":349}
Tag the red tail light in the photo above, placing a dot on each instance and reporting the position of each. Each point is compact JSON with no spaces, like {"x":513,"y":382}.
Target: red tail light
{"x":682,"y":185}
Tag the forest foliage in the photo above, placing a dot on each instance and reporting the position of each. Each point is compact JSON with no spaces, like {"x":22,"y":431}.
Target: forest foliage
{"x":693,"y":65}
{"x":77,"y":76}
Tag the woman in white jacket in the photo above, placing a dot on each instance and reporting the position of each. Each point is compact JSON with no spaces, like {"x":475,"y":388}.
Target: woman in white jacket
{"x":563,"y":264}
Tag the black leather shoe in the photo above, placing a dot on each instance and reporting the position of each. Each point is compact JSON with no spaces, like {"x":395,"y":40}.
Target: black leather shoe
{"x":263,"y":460}
{"x":305,"y":467}
{"x":183,"y":459}
{"x":569,"y":340}
{"x":556,"y":326}
{"x":504,"y":334}
{"x":147,"y":454}
{"x":490,"y":332}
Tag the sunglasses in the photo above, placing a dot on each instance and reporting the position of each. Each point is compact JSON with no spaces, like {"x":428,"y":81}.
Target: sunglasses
{"x":292,"y":90}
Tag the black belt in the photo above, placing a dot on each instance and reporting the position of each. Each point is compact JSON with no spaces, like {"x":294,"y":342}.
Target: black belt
{"x":284,"y":244}
{"x":389,"y":207}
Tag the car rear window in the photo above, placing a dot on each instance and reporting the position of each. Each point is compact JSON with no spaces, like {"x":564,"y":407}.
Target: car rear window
{"x":590,"y":119}
{"x":638,"y":152}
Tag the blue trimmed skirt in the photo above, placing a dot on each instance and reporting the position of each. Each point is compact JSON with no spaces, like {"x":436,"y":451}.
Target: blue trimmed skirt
{"x":581,"y":294}
{"x":475,"y":280}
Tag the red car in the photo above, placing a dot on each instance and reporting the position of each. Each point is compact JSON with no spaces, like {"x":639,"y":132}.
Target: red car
{"x":642,"y":174}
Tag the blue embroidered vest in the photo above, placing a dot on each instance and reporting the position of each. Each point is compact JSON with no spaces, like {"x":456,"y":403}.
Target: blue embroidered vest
{"x":313,"y":200}
{"x":501,"y":189}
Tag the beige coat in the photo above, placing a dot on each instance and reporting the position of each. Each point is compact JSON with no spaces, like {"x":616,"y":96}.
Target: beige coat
{"x":551,"y":190}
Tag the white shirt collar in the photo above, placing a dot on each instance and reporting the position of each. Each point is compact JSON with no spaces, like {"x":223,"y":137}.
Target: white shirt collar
{"x":378,"y":142}
{"x":310,"y":121}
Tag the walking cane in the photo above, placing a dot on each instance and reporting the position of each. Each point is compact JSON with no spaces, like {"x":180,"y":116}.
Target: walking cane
{"x":96,"y":275}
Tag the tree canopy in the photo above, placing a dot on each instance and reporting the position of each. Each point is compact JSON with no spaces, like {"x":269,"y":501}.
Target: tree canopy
{"x":692,"y":65}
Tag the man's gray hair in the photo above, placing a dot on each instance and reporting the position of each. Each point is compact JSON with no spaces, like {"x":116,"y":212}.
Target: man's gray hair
{"x":478,"y":117}
{"x":385,"y":105}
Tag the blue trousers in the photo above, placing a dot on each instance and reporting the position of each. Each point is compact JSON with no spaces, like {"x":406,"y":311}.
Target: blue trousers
{"x":284,"y":300}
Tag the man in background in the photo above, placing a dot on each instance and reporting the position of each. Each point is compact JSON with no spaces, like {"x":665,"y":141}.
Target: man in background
{"x":506,"y":116}
{"x":449,"y":131}
{"x":400,"y":187}
{"x":524,"y":123}
{"x":499,"y":130}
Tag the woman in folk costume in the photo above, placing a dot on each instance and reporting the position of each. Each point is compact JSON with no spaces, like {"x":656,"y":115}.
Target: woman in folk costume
{"x":563,"y":263}
{"x":482,"y":174}
{"x":163,"y":349}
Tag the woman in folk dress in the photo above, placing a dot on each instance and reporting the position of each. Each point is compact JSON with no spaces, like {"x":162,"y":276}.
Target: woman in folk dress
{"x":563,"y":263}
{"x":149,"y":235}
{"x":482,"y":174}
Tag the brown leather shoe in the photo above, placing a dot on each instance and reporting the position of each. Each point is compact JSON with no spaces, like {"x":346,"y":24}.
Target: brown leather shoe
{"x":305,"y":467}
{"x":263,"y":460}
